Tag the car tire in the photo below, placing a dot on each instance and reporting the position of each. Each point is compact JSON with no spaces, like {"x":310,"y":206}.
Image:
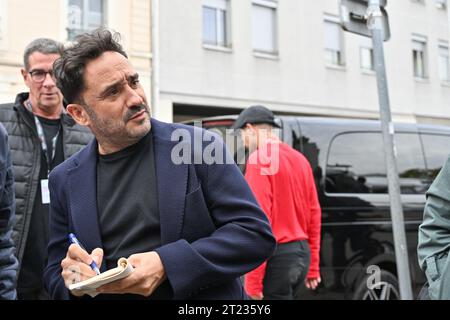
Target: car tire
{"x":385,"y":288}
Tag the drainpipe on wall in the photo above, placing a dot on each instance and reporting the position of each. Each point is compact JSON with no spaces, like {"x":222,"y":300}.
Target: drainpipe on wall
{"x":447,"y":3}
{"x":155,"y":57}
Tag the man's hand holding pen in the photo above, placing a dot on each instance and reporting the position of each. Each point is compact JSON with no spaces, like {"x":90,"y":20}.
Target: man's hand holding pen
{"x":76,"y":265}
{"x":148,"y":272}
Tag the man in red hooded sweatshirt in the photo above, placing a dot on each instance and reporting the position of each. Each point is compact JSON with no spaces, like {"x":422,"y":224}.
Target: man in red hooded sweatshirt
{"x":282,"y":180}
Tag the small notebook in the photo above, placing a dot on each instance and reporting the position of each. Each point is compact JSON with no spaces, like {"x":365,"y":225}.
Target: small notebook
{"x":123,"y":269}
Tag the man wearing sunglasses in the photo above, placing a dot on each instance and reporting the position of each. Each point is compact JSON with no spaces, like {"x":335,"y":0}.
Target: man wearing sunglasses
{"x":42,"y":136}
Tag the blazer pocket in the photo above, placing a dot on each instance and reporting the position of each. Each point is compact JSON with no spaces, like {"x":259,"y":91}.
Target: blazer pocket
{"x":197,"y":222}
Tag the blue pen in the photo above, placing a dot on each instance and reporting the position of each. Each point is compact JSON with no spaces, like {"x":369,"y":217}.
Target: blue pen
{"x":74,"y":239}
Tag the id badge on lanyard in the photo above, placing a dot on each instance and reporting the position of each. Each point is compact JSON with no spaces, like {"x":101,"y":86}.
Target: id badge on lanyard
{"x":45,"y":193}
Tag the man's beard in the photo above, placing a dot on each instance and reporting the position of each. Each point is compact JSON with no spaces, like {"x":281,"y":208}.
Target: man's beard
{"x":115,"y":131}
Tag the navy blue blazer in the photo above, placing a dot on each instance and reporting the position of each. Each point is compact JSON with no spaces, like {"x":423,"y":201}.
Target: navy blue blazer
{"x":212,"y":228}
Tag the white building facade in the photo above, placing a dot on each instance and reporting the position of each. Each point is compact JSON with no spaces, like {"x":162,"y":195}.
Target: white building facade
{"x":219,"y":56}
{"x":22,"y":21}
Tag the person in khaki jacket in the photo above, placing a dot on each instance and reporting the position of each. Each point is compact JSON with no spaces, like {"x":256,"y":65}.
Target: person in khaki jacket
{"x":434,"y":236}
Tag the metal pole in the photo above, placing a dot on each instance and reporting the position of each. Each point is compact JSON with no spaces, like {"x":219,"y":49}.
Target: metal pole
{"x":447,"y":4}
{"x":375,"y":24}
{"x":155,"y":56}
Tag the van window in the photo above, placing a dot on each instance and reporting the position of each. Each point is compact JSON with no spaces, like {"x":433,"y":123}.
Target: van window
{"x":356,"y":164}
{"x":410,"y":164}
{"x":437,"y":150}
{"x":234,"y":144}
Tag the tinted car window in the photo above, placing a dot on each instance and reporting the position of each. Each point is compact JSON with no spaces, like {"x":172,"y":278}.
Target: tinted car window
{"x":234,"y":144}
{"x":437,"y":149}
{"x":356,"y":165}
{"x":410,"y":164}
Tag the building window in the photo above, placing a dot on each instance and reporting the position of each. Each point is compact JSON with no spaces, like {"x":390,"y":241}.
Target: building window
{"x":441,"y":4}
{"x":333,"y":41}
{"x":366,"y":55}
{"x":443,"y":62}
{"x":419,"y":46}
{"x":216,"y":23}
{"x":85,"y":15}
{"x":264,"y":26}
{"x":367,"y":62}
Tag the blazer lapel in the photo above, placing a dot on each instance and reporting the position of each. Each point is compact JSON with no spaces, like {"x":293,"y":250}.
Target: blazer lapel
{"x":83,"y":198}
{"x":172,"y":183}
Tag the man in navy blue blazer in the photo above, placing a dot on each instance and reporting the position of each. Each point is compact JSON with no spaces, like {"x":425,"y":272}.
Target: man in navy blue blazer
{"x":175,"y":205}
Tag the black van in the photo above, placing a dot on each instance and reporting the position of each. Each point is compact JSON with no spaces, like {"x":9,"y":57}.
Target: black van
{"x":349,"y":167}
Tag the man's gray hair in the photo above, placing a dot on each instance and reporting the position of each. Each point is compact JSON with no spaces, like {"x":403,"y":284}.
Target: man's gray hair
{"x":42,"y":45}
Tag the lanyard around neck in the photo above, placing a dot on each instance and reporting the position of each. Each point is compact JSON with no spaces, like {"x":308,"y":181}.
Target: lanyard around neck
{"x":41,"y":136}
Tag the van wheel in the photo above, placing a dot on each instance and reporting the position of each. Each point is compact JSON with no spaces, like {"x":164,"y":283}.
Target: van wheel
{"x":384,"y":289}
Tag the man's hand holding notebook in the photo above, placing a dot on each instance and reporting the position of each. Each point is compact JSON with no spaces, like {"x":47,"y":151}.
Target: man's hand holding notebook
{"x":140,"y":273}
{"x":89,"y":286}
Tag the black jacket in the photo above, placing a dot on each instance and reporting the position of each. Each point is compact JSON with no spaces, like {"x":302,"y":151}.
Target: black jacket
{"x":8,"y":262}
{"x":26,"y":159}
